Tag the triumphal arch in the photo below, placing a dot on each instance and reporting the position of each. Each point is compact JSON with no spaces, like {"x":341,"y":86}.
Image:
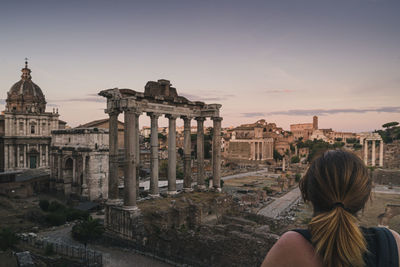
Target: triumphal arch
{"x":158,"y":99}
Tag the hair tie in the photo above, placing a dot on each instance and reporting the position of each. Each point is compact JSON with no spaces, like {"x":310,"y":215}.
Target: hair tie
{"x":338,"y":204}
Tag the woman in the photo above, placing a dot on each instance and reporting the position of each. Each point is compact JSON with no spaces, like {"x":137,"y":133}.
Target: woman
{"x":338,"y":186}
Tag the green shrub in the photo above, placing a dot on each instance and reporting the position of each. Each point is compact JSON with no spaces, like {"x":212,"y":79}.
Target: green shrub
{"x":49,"y":249}
{"x":297,"y":177}
{"x":295,"y":159}
{"x":56,"y":218}
{"x":268,"y":190}
{"x":44,"y":204}
{"x":56,"y":206}
{"x":74,"y":214}
{"x":8,"y":239}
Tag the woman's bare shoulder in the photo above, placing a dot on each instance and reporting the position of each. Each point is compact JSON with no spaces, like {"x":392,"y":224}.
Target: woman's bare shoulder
{"x":292,"y":250}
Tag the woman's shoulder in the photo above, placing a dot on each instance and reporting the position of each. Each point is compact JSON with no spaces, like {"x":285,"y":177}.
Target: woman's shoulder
{"x":292,"y":249}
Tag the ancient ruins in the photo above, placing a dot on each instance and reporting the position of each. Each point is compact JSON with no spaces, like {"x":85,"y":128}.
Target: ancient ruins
{"x":365,"y":139}
{"x":159,"y":98}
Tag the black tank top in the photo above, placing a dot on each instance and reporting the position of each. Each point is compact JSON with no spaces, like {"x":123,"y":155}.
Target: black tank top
{"x":381,"y":245}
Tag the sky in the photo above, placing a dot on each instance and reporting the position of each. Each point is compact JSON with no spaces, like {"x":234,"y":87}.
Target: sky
{"x":279,"y":60}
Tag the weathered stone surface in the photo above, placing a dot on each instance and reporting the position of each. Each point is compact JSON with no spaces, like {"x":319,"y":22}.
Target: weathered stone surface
{"x":383,"y":176}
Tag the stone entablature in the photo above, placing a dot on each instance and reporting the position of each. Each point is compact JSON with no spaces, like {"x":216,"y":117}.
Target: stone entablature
{"x":158,"y":99}
{"x":79,"y":162}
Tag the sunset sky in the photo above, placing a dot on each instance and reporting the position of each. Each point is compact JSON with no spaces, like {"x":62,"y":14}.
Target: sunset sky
{"x":282,"y":60}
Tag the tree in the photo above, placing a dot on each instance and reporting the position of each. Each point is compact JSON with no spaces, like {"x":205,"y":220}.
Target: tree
{"x":8,"y":239}
{"x":295,"y":159}
{"x":390,"y":124}
{"x":87,"y":230}
{"x":277,"y":155}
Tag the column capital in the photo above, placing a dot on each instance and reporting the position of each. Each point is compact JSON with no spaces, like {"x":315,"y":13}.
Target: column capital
{"x":200,"y":119}
{"x":185,"y":118}
{"x":153,"y":115}
{"x":171,"y":116}
{"x":216,"y":118}
{"x":112,"y":111}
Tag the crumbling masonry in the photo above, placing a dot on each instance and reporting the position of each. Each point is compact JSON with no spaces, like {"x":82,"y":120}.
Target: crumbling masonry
{"x":158,"y":99}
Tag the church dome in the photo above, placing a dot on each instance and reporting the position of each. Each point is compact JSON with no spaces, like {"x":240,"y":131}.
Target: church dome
{"x":25,"y":96}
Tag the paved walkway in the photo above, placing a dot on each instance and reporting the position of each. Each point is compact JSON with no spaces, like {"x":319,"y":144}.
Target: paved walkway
{"x":384,"y":189}
{"x":255,"y":173}
{"x":281,"y":204}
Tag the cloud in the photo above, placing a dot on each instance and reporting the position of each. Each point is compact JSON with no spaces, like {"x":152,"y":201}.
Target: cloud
{"x":208,"y":96}
{"x":322,"y":112}
{"x":284,"y":91}
{"x":253,"y":114}
{"x":2,"y":101}
{"x":88,"y":98}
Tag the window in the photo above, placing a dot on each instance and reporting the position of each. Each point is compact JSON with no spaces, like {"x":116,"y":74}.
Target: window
{"x":32,"y":129}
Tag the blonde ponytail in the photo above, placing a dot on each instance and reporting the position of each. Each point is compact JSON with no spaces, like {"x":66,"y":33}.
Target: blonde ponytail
{"x":337,"y":238}
{"x":338,"y":185}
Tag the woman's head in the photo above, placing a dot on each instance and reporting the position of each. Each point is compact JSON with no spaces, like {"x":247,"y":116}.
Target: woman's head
{"x":336,"y":176}
{"x":338,"y":186}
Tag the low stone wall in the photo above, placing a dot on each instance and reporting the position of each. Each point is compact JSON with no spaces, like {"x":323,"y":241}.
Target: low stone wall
{"x":192,"y":229}
{"x":382,"y":176}
{"x":391,"y":158}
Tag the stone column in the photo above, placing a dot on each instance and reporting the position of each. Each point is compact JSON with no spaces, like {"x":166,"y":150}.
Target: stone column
{"x":18,"y":157}
{"x":6,"y":157}
{"x":171,"y":154}
{"x":154,"y":191}
{"x":187,"y":182}
{"x":263,"y":150}
{"x":260,"y":149}
{"x":24,"y":156}
{"x":216,"y":148}
{"x":137,"y":146}
{"x":200,"y":153}
{"x":381,"y":153}
{"x":47,"y":156}
{"x":253,"y":150}
{"x":366,"y":152}
{"x":283,"y":164}
{"x":373,"y":153}
{"x":60,"y":167}
{"x":130,"y":160}
{"x":84,"y":182}
{"x":256,"y":150}
{"x":113,"y":197}
{"x":73,"y":170}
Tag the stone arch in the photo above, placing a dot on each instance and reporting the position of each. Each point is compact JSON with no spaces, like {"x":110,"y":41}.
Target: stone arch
{"x":67,"y":169}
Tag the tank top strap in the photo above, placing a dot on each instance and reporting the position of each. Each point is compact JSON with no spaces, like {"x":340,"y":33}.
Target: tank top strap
{"x":304,"y":232}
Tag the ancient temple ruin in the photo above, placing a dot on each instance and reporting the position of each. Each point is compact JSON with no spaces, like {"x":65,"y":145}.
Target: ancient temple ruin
{"x":159,"y":98}
{"x":372,"y":138}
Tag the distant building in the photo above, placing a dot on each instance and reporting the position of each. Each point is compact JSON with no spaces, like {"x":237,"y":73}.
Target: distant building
{"x":252,"y":143}
{"x":310,"y":131}
{"x":79,"y":162}
{"x":25,"y":127}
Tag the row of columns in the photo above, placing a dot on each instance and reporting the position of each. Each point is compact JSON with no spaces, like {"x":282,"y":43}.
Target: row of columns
{"x":258,"y":150}
{"x":12,"y":156}
{"x":132,"y":164}
{"x":373,"y":154}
